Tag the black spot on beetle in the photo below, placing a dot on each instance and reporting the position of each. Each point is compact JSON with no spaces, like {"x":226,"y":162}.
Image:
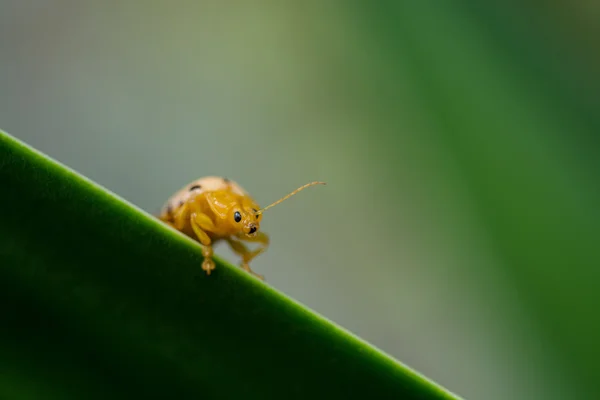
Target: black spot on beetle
{"x":169,"y":210}
{"x":180,"y":203}
{"x":195,"y":187}
{"x":226,"y":180}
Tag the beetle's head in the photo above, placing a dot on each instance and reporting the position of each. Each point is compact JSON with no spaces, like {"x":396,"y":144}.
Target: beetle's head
{"x":246,"y":216}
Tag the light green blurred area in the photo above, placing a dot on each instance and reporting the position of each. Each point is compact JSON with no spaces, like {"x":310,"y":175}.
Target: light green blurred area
{"x":459,"y":228}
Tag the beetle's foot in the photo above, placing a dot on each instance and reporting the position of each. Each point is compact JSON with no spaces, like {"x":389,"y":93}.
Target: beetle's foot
{"x":208,"y":265}
{"x":247,"y":268}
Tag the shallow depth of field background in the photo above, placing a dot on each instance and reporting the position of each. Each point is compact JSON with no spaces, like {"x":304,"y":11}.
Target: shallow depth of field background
{"x":459,"y":230}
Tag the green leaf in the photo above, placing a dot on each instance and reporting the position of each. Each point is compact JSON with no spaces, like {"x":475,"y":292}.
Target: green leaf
{"x":98,"y":299}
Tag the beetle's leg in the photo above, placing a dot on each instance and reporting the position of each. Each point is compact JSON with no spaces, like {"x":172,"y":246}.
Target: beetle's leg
{"x":201,"y":223}
{"x":261,"y":238}
{"x":246,"y":254}
{"x":239,"y":248}
{"x":180,"y":216}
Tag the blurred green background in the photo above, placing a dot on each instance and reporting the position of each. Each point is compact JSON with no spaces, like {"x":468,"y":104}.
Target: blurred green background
{"x":459,"y":228}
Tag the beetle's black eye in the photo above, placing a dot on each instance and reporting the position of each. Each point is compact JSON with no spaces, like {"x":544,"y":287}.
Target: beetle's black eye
{"x":237,"y":216}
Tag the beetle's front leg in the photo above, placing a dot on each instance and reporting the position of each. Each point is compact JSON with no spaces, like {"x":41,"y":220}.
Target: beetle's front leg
{"x":260,"y":238}
{"x":246,"y":254}
{"x":201,"y":223}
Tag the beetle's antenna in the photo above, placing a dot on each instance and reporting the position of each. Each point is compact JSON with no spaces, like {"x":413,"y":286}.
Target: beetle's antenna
{"x":288,"y":196}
